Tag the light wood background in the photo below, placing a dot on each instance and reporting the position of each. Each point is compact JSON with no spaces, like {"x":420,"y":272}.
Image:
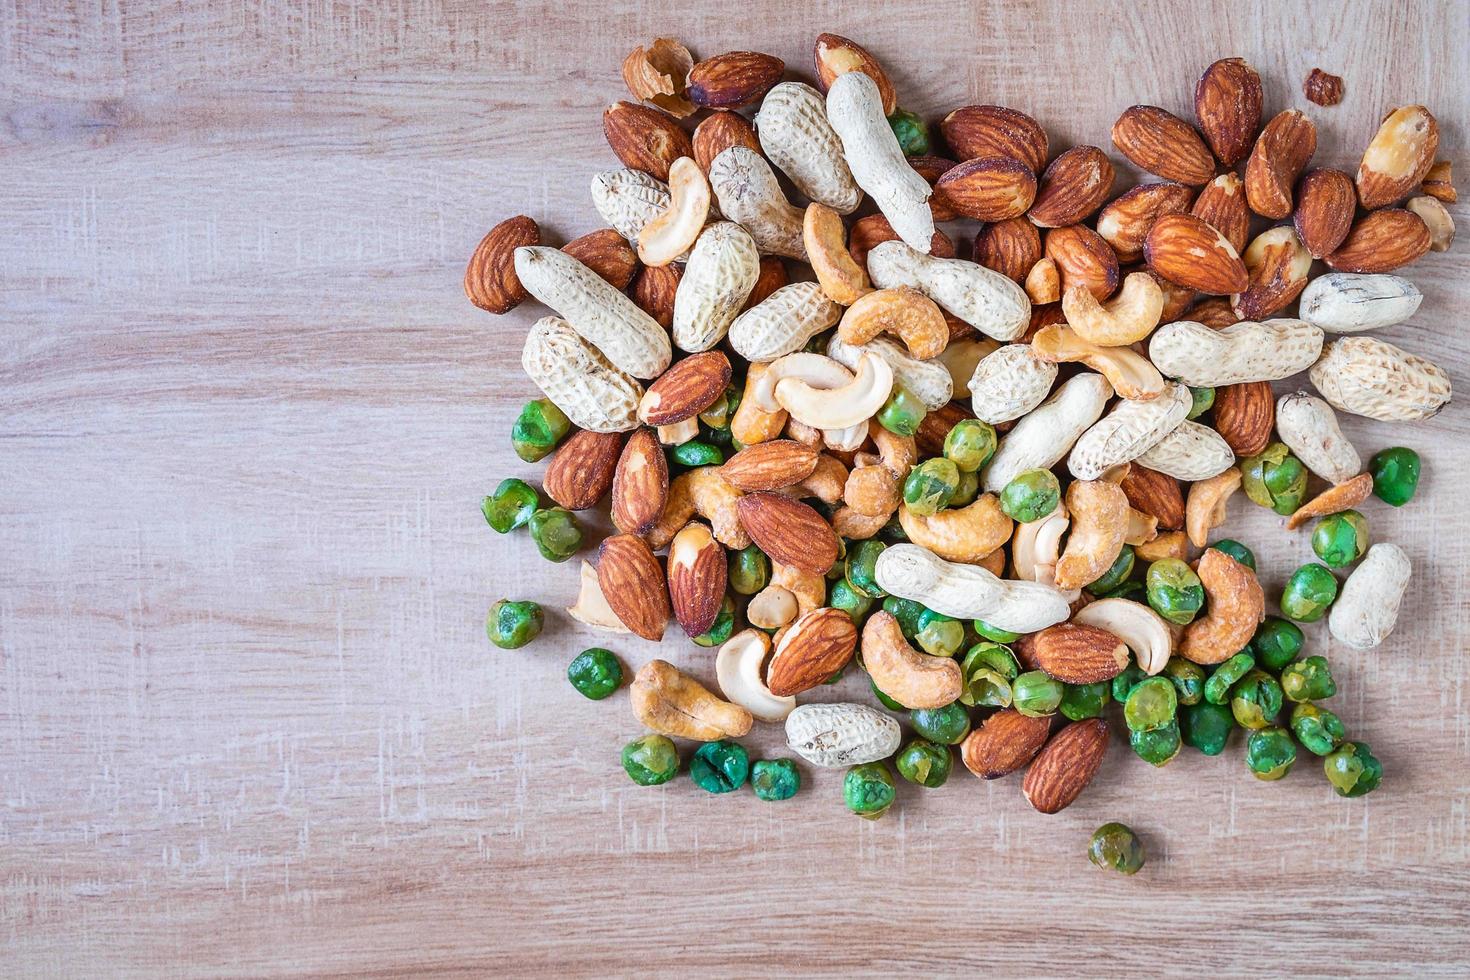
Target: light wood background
{"x":249,"y":719}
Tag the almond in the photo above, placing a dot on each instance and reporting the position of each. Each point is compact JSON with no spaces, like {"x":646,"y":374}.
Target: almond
{"x":1222,"y":206}
{"x":1073,"y":187}
{"x":606,"y":253}
{"x":931,"y":168}
{"x":1011,"y":247}
{"x":1244,"y":416}
{"x":490,"y":280}
{"x":656,"y":74}
{"x":991,"y":130}
{"x":988,"y":188}
{"x":1381,"y":242}
{"x":1177,"y":298}
{"x":1125,"y":222}
{"x":1215,"y":313}
{"x":1281,"y":153}
{"x":640,"y":484}
{"x":1185,"y":250}
{"x":1160,"y":142}
{"x":1227,"y":106}
{"x":1398,"y":156}
{"x":1322,"y":88}
{"x":771,"y":278}
{"x":654,"y":291}
{"x":812,"y":649}
{"x":1083,"y":258}
{"x":1078,"y":654}
{"x":733,"y":79}
{"x":835,"y":55}
{"x":686,"y":389}
{"x":935,"y":426}
{"x":697,"y":578}
{"x":645,"y":139}
{"x":633,"y":585}
{"x":720,"y":131}
{"x":1006,"y":742}
{"x":1277,"y":263}
{"x":1064,"y":768}
{"x":1325,"y":204}
{"x":770,"y":465}
{"x":1439,"y":183}
{"x":1156,"y":494}
{"x":875,"y":229}
{"x":789,"y":531}
{"x":581,"y":470}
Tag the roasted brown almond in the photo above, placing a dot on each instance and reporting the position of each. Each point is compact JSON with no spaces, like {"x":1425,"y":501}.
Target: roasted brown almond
{"x":1185,"y":250}
{"x":1439,"y":183}
{"x":1244,"y":416}
{"x":816,"y":646}
{"x":1011,"y":247}
{"x":789,"y":531}
{"x":1222,"y":206}
{"x":1381,"y":242}
{"x":931,"y":168}
{"x":1078,"y":654}
{"x":1160,"y":142}
{"x":1321,"y":88}
{"x":1326,"y":202}
{"x":733,"y":79}
{"x":1281,"y":152}
{"x":718,"y":132}
{"x":490,"y":280}
{"x":697,"y":578}
{"x":1083,"y":258}
{"x":1398,"y":157}
{"x":1215,"y":313}
{"x":686,"y":389}
{"x":1004,"y":743}
{"x":644,"y":138}
{"x":640,"y":484}
{"x":633,"y":585}
{"x":1277,"y":263}
{"x":770,"y":465}
{"x":834,"y":55}
{"x":581,"y":470}
{"x":875,"y":229}
{"x":654,"y":291}
{"x":991,"y":130}
{"x":988,"y":188}
{"x":606,"y":253}
{"x":935,"y":426}
{"x":1125,"y":222}
{"x":771,"y":278}
{"x":1227,"y":106}
{"x":1064,"y":768}
{"x":1073,"y":187}
{"x":1156,"y":494}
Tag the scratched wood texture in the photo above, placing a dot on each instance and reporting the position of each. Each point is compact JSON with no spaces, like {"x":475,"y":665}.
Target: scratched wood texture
{"x":249,"y":720}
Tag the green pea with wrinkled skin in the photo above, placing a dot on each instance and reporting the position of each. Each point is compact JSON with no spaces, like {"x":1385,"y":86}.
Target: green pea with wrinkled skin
{"x":884,"y":699}
{"x":843,"y":596}
{"x":911,"y":131}
{"x":1319,"y":730}
{"x":947,"y":725}
{"x":939,"y":634}
{"x":1035,"y":693}
{"x":537,"y":430}
{"x":994,"y":633}
{"x":695,"y":453}
{"x":775,"y":779}
{"x":1188,"y":679}
{"x":1352,"y":769}
{"x":556,"y":533}
{"x":925,"y":763}
{"x":1201,"y":400}
{"x":868,"y":790}
{"x":861,"y":559}
{"x":907,"y":612}
{"x":988,"y":669}
{"x":1156,"y":746}
{"x":902,"y":413}
{"x":1237,"y":551}
{"x":970,"y":444}
{"x":750,"y":570}
{"x":1128,"y":590}
{"x":1217,"y":688}
{"x":1080,"y":701}
{"x":1255,"y":700}
{"x":650,"y":760}
{"x":1277,"y":642}
{"x":1395,"y":475}
{"x":1270,"y":753}
{"x":1116,"y":574}
{"x":1340,"y":539}
{"x":1126,"y":681}
{"x":966,"y":490}
{"x":1174,"y":590}
{"x":511,"y":505}
{"x":1032,"y":495}
{"x":724,"y":625}
{"x":595,"y":673}
{"x":1308,"y":679}
{"x":1115,"y":846}
{"x":720,"y":767}
{"x":1308,"y":593}
{"x":1151,"y":704}
{"x":1207,"y":726}
{"x":719,"y":414}
{"x":929,"y":486}
{"x":1274,"y":479}
{"x":512,"y":625}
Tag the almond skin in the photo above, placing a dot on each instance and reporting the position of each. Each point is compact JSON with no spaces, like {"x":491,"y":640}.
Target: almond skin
{"x":654,"y":291}
{"x":581,"y":470}
{"x":720,"y":131}
{"x":1073,"y":187}
{"x":1227,"y":106}
{"x":633,"y":585}
{"x":1398,"y":156}
{"x":1083,"y":258}
{"x":812,"y":649}
{"x":1006,"y":742}
{"x":1222,"y":206}
{"x":1125,"y":222}
{"x":833,"y":55}
{"x":1244,"y":416}
{"x":931,"y":168}
{"x":1215,"y":313}
{"x":991,"y":130}
{"x":988,"y":188}
{"x":490,"y":280}
{"x":1381,"y":242}
{"x":1064,"y":768}
{"x":770,"y":465}
{"x":1185,"y":250}
{"x":1078,"y":654}
{"x":733,"y":79}
{"x":1322,"y":88}
{"x":771,"y":278}
{"x":789,"y":531}
{"x":606,"y":253}
{"x":875,"y":229}
{"x":656,"y":74}
{"x":1160,"y":142}
{"x":644,"y":138}
{"x":1156,"y":494}
{"x":640,"y":484}
{"x":1280,"y":154}
{"x":1277,"y":263}
{"x":686,"y":389}
{"x":1326,"y":202}
{"x":697,"y":578}
{"x":1011,"y":247}
{"x":1439,"y":183}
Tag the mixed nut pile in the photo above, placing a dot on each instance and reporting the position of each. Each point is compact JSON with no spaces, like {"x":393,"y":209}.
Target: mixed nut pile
{"x":990,"y":481}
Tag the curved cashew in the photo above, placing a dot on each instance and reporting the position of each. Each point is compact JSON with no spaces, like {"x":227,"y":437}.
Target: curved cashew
{"x":1191,"y":452}
{"x":591,"y":607}
{"x":1130,"y":374}
{"x":1308,"y":426}
{"x":1144,"y":630}
{"x":855,"y":110}
{"x":826,"y":482}
{"x":1368,"y":605}
{"x":1125,"y":319}
{"x":1142,"y":528}
{"x":715,"y":501}
{"x":750,"y":196}
{"x":1128,"y":431}
{"x":738,"y":669}
{"x":1205,"y":508}
{"x":961,"y":358}
{"x":928,"y":381}
{"x":675,"y":230}
{"x":1036,"y":546}
{"x":899,"y":453}
{"x":1099,"y":522}
{"x":902,"y":311}
{"x":983,"y":298}
{"x":1043,"y":437}
{"x":1334,"y":500}
{"x":839,"y":407}
{"x":964,"y":534}
{"x":969,"y":591}
{"x":751,"y":423}
{"x":1245,"y":351}
{"x":1009,"y":382}
{"x":872,"y":490}
{"x":815,"y":369}
{"x":825,"y":237}
{"x":670,"y":702}
{"x":913,"y":679}
{"x":1234,"y":605}
{"x":1170,"y":544}
{"x":771,"y":608}
{"x":846,"y":440}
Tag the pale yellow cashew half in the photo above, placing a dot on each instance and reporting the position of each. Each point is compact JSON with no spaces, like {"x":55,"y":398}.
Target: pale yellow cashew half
{"x":670,"y":702}
{"x":753,"y":424}
{"x":1036,"y":545}
{"x":964,"y":534}
{"x":1205,"y":507}
{"x":1099,"y":512}
{"x":677,"y":227}
{"x":716,"y":501}
{"x":1130,"y":374}
{"x":841,"y":278}
{"x":1125,"y":319}
{"x":913,"y":679}
{"x":843,"y":406}
{"x":771,"y":608}
{"x":1234,"y":606}
{"x":740,"y":668}
{"x":902,"y":311}
{"x":1142,"y":528}
{"x":1144,"y":630}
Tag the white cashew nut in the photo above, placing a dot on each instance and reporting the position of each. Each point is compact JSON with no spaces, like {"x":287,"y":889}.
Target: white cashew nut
{"x":819,"y":373}
{"x":1308,"y":426}
{"x":843,"y":406}
{"x":877,"y":162}
{"x":969,"y":591}
{"x":1037,"y":545}
{"x":983,"y":298}
{"x":1351,"y":302}
{"x":591,"y":607}
{"x":1125,"y":319}
{"x":738,"y":669}
{"x":674,"y":231}
{"x":1368,"y":605}
{"x":928,"y":381}
{"x":1043,"y":437}
{"x":1144,"y":630}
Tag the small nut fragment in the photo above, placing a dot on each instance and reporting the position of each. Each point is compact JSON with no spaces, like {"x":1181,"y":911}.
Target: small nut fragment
{"x":1441,"y":226}
{"x":1322,"y":88}
{"x":670,"y":702}
{"x":912,"y":678}
{"x":1169,"y":544}
{"x":591,"y":608}
{"x":1126,"y":319}
{"x":902,"y":311}
{"x":1333,"y":500}
{"x":1398,"y":156}
{"x":771,"y":608}
{"x":1280,"y":154}
{"x":673,"y":232}
{"x":656,"y":74}
{"x":1439,"y":183}
{"x":1044,"y":283}
{"x":1131,"y":375}
{"x":1206,"y":506}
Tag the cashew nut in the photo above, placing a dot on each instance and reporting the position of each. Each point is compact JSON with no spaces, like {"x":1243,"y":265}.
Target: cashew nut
{"x":771,"y":608}
{"x":678,"y":433}
{"x":1010,"y":382}
{"x":1334,"y":500}
{"x":1099,"y":512}
{"x":1142,"y":629}
{"x":902,"y":311}
{"x":1205,"y":508}
{"x":1130,"y":374}
{"x":1234,"y":606}
{"x":814,"y":369}
{"x":969,"y":591}
{"x":739,"y":667}
{"x":872,"y":490}
{"x":826,"y":481}
{"x":899,"y":453}
{"x":1247,"y":351}
{"x":670,"y":702}
{"x":1308,"y":426}
{"x":964,"y":534}
{"x":847,"y":440}
{"x":928,"y":381}
{"x":715,"y":501}
{"x":718,"y":278}
{"x":1036,"y":546}
{"x":1351,"y":302}
{"x":1191,"y":452}
{"x":1125,"y":319}
{"x":782,"y":322}
{"x":1142,"y":528}
{"x":674,"y":231}
{"x":1368,"y":605}
{"x":853,"y":526}
{"x":913,"y":679}
{"x":809,"y":588}
{"x":1170,"y":544}
{"x":983,"y":298}
{"x":855,"y":110}
{"x":842,"y":279}
{"x":678,"y":509}
{"x":1044,"y":282}
{"x":1127,"y":432}
{"x":591,"y":607}
{"x":838,"y":407}
{"x":1043,"y":437}
{"x":797,"y":138}
{"x":752,"y":424}
{"x":750,"y":196}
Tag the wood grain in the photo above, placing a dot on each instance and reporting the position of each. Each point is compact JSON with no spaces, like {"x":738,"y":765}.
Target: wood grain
{"x":249,"y":720}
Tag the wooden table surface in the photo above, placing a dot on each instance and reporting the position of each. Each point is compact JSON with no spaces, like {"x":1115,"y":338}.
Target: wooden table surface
{"x":249,"y":719}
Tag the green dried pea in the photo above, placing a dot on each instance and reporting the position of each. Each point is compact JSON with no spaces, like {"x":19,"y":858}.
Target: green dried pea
{"x":1319,"y":730}
{"x":1237,"y":551}
{"x":902,"y":413}
{"x":724,"y":625}
{"x":911,"y":132}
{"x":947,"y":725}
{"x":1201,"y":400}
{"x":720,"y":767}
{"x":1352,"y":769}
{"x":1308,"y":679}
{"x":868,"y":790}
{"x":994,"y":633}
{"x":1277,"y":642}
{"x":696,"y":453}
{"x":1035,"y":693}
{"x":650,"y":760}
{"x":939,"y":634}
{"x":1340,"y":539}
{"x":907,"y":612}
{"x":1188,"y":678}
{"x":929,"y":486}
{"x":556,"y":533}
{"x":1256,"y":699}
{"x":1116,"y":575}
{"x":1174,"y":590}
{"x":511,"y":505}
{"x":988,"y":669}
{"x":1081,"y":701}
{"x":1274,"y":479}
{"x":966,"y":490}
{"x":775,"y":779}
{"x":1270,"y":753}
{"x":595,"y":673}
{"x":750,"y":570}
{"x":1395,"y":475}
{"x":1207,"y":726}
{"x":1032,"y":495}
{"x":1153,"y":703}
{"x":1308,"y":593}
{"x":537,"y":430}
{"x":1117,"y":847}
{"x":1126,"y":681}
{"x":862,"y":556}
{"x":513,"y":624}
{"x":843,"y":596}
{"x":925,"y":763}
{"x":970,"y":444}
{"x":1217,"y":688}
{"x":1156,"y":746}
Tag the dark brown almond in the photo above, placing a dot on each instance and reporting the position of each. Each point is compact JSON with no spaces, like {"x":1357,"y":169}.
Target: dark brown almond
{"x":1083,"y":258}
{"x":490,"y":280}
{"x":1125,"y":222}
{"x":606,"y":253}
{"x":1160,"y":142}
{"x":1222,"y":206}
{"x":640,"y":483}
{"x":1281,"y":153}
{"x":816,"y":646}
{"x":991,"y":130}
{"x":988,"y":188}
{"x":697,"y":577}
{"x":654,"y":291}
{"x":1215,"y":313}
{"x":720,"y":131}
{"x":633,"y":585}
{"x":770,"y":465}
{"x":1381,"y":242}
{"x":1073,"y":187}
{"x":1156,"y":494}
{"x":931,"y":168}
{"x":1244,"y":416}
{"x":733,"y":79}
{"x":644,"y":138}
{"x":1009,"y":247}
{"x":1227,"y":106}
{"x":1322,"y":88}
{"x":1326,"y":202}
{"x":874,"y":229}
{"x":1078,"y":654}
{"x":1006,"y":742}
{"x":1064,"y":768}
{"x":686,"y":389}
{"x":581,"y":470}
{"x":935,"y":426}
{"x":789,"y":531}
